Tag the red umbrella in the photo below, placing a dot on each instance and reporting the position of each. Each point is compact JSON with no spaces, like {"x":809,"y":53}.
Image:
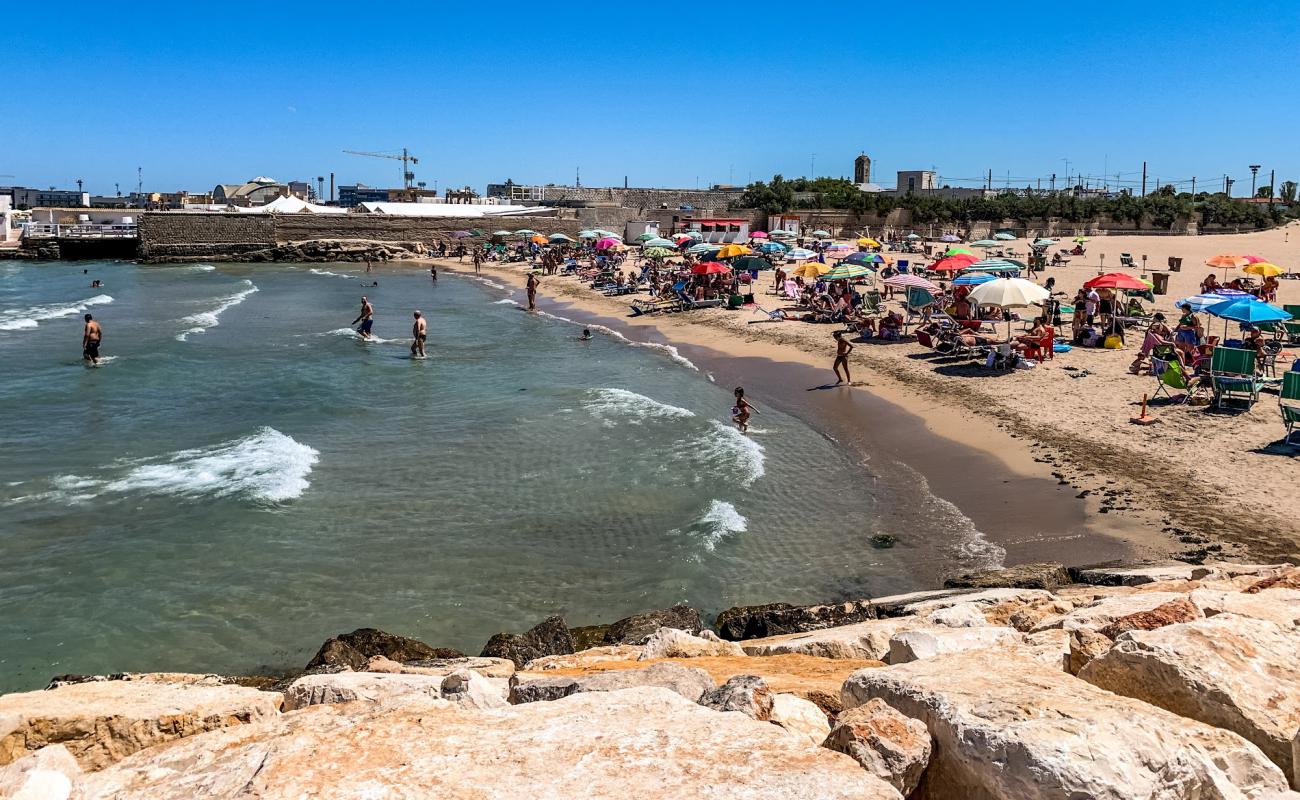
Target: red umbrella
{"x":709,"y":268}
{"x":1116,"y":280}
{"x":953,"y":263}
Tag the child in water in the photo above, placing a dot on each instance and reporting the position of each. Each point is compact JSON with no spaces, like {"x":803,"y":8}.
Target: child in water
{"x":741,"y":411}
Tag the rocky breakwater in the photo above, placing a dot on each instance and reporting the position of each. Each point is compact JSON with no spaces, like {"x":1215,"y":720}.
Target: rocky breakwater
{"x":1170,"y":682}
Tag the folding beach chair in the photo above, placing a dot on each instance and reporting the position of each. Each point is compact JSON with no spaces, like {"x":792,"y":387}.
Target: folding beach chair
{"x":1291,"y":328}
{"x":1289,"y":403}
{"x":1232,"y":376}
{"x":1171,"y":375}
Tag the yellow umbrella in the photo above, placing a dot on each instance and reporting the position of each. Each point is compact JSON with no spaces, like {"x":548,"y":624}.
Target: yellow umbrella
{"x":811,"y":269}
{"x":868,"y":242}
{"x":733,"y":250}
{"x":1264,"y":269}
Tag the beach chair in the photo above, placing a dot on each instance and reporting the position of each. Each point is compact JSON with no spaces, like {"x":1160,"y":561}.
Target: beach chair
{"x":1126,"y":260}
{"x":1232,"y":376}
{"x":1172,"y":375}
{"x":1289,"y":403}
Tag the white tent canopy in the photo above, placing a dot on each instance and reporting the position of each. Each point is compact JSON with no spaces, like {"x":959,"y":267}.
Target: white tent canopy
{"x":291,"y":205}
{"x":451,"y":209}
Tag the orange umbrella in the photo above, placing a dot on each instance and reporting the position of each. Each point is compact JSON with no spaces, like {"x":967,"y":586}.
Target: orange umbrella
{"x":1227,"y":260}
{"x":539,"y":239}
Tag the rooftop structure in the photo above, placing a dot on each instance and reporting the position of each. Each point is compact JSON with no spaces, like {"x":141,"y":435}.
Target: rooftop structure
{"x":259,"y":191}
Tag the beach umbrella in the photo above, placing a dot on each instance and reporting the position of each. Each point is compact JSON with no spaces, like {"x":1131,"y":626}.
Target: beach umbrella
{"x":709,"y":268}
{"x":847,"y":271}
{"x":1004,"y":237}
{"x":537,"y":238}
{"x":1009,"y":293}
{"x":950,"y":237}
{"x":800,"y":254}
{"x":560,"y":238}
{"x":821,"y":234}
{"x":503,"y":233}
{"x":1116,"y":280}
{"x":985,"y":243}
{"x":647,"y":236}
{"x":602,"y":233}
{"x":773,"y":247}
{"x":608,"y":243}
{"x":461,"y":234}
{"x":953,"y":263}
{"x":1042,"y":240}
{"x":656,"y":241}
{"x":810,"y":270}
{"x":660,"y":252}
{"x":683,"y":237}
{"x":525,"y":232}
{"x":588,"y":235}
{"x":958,"y":251}
{"x":758,"y":235}
{"x":1264,"y":269}
{"x":994,"y":265}
{"x":1201,"y":302}
{"x":908,"y":279}
{"x":751,"y":263}
{"x":1081,"y":239}
{"x":973,"y":279}
{"x":912,"y":237}
{"x":866,"y":241}
{"x":1227,"y":260}
{"x":702,"y":247}
{"x":839,"y":250}
{"x":1247,"y":310}
{"x":733,"y":250}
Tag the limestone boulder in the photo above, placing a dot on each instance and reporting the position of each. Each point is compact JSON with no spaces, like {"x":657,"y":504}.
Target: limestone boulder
{"x":869,"y":639}
{"x":689,"y":682}
{"x":634,"y":743}
{"x":354,"y":650}
{"x":1236,"y":673}
{"x":1177,"y":610}
{"x":800,"y":717}
{"x":371,"y":688}
{"x":757,"y":622}
{"x":896,"y":605}
{"x":639,"y":627}
{"x":1102,"y":612}
{"x":1051,"y":648}
{"x":1284,"y":579}
{"x":920,"y":644}
{"x":1049,"y":576}
{"x":101,"y":722}
{"x":46,"y":774}
{"x":586,"y":658}
{"x":1085,"y":645}
{"x":1006,"y":726}
{"x":487,"y":667}
{"x":470,"y":689}
{"x":748,"y":694}
{"x":586,"y":637}
{"x":1275,"y":604}
{"x":982,"y":600}
{"x":887,"y":744}
{"x":673,"y":643}
{"x":550,"y":637}
{"x":1136,"y":576}
{"x":965,"y":615}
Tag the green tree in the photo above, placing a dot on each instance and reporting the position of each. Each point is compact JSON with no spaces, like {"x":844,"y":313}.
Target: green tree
{"x":1264,"y":191}
{"x":1288,"y":191}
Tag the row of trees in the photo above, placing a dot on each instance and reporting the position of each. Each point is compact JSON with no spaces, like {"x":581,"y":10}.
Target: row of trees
{"x":1160,"y":209}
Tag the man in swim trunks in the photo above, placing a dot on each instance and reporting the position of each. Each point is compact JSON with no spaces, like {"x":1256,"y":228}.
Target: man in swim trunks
{"x":366,"y":318}
{"x":533,"y":283}
{"x":842,"y":350}
{"x":91,"y":336}
{"x":418,"y":334}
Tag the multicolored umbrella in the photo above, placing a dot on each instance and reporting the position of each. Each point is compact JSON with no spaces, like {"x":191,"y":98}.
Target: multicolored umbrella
{"x":660,"y":252}
{"x":907,"y":279}
{"x":994,"y":265}
{"x":800,"y":254}
{"x":1116,"y":280}
{"x":864,"y":259}
{"x":847,"y":271}
{"x":1080,"y":239}
{"x":710,"y":268}
{"x":839,"y":250}
{"x":684,"y":237}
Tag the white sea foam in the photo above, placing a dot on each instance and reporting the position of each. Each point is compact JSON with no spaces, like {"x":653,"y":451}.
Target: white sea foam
{"x":201,"y":267}
{"x":266,"y":467}
{"x":728,"y":444}
{"x":635,"y":408}
{"x":17,"y":319}
{"x":507,"y":301}
{"x":671,"y":351}
{"x":352,"y":333}
{"x":719,"y":520}
{"x":210,"y":319}
{"x":327,"y":273}
{"x":967,"y":544}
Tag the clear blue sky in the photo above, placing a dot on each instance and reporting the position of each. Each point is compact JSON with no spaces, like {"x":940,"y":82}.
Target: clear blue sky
{"x":667,"y":94}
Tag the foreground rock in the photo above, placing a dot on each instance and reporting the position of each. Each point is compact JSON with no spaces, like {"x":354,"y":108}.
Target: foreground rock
{"x":869,"y":640}
{"x":1102,"y":612}
{"x":103,"y":721}
{"x":689,"y":682}
{"x":633,"y":743}
{"x":1275,"y":603}
{"x":1049,"y":576}
{"x":918,"y":644}
{"x":1175,"y":611}
{"x":747,"y":694}
{"x":639,"y":627}
{"x":372,"y":688}
{"x":46,"y":774}
{"x":487,"y":667}
{"x":672,"y":643}
{"x":800,"y":717}
{"x":1009,"y":727}
{"x":591,"y":657}
{"x":550,"y":637}
{"x":756,"y":622}
{"x":354,"y":650}
{"x":887,"y":744}
{"x":1232,"y":672}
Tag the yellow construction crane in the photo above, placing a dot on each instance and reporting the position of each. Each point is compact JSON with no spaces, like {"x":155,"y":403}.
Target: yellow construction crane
{"x":407,"y":175}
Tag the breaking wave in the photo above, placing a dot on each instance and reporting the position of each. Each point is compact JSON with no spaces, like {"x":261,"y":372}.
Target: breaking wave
{"x":211,"y":319}
{"x":636,"y":408}
{"x":327,"y":273}
{"x":352,"y":333}
{"x":669,"y":350}
{"x":17,"y":319}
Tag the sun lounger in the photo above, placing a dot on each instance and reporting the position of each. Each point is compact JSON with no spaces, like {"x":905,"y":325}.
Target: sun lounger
{"x":654,"y":304}
{"x":1232,"y":376}
{"x":1289,"y":403}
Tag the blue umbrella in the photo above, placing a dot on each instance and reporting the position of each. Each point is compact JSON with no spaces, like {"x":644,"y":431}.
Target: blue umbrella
{"x":973,"y":279}
{"x":1248,"y":310}
{"x":1202,"y":302}
{"x":864,"y":259}
{"x":773,"y":247}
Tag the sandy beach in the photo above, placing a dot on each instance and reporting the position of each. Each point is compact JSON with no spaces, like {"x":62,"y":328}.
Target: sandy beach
{"x":1198,"y":479}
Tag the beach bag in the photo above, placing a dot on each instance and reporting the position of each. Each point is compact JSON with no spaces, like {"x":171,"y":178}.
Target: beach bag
{"x":1113,"y":342}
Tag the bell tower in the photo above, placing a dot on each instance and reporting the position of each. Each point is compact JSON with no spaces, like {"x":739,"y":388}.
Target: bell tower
{"x":862,"y":169}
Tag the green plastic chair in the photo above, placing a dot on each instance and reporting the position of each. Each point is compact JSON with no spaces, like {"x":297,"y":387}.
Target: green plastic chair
{"x":1170,"y":375}
{"x":1232,"y":376}
{"x":1289,"y":403}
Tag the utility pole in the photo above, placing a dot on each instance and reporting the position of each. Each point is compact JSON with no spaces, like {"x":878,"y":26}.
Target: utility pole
{"x":1272,"y":186}
{"x":812,"y":167}
{"x":79,"y":186}
{"x":1254,"y":170}
{"x":1193,"y":187}
{"x":1053,"y":183}
{"x":1144,"y":179}
{"x":989,"y":183}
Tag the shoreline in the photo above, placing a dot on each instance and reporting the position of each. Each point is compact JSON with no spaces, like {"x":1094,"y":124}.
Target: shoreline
{"x":968,"y":460}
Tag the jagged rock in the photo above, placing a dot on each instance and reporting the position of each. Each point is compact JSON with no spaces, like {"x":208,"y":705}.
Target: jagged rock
{"x":1136,"y":576}
{"x":747,"y":694}
{"x":1085,"y":645}
{"x":372,"y":688}
{"x":1006,"y":726}
{"x":887,"y":744}
{"x":1048,"y":576}
{"x":1024,"y":615}
{"x":672,"y":643}
{"x":487,"y":667}
{"x":586,"y":658}
{"x":1285,"y":579}
{"x":756,"y":622}
{"x":896,"y":605}
{"x":46,"y":774}
{"x":966,"y":615}
{"x":635,"y":743}
{"x":586,"y":637}
{"x":103,"y":721}
{"x":981,"y":600}
{"x":639,"y":627}
{"x":1236,"y":673}
{"x":468,"y":688}
{"x":1278,"y":604}
{"x":1100,"y":613}
{"x":919,"y":644}
{"x":550,"y":637}
{"x":354,"y":650}
{"x":1051,"y":648}
{"x":869,"y":640}
{"x":1179,"y":610}
{"x":689,"y":682}
{"x":800,"y":717}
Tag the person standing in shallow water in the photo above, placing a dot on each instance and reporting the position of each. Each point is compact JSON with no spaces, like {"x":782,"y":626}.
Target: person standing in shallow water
{"x":91,"y":336}
{"x":741,"y":411}
{"x":418,"y":334}
{"x":842,"y":350}
{"x":366,"y":318}
{"x":533,"y":283}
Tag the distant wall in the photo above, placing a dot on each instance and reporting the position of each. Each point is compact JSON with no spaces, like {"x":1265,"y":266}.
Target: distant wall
{"x":702,"y":200}
{"x":185,"y":235}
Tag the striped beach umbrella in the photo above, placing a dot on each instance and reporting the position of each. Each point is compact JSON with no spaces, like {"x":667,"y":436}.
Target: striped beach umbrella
{"x":702,"y":247}
{"x":800,"y":254}
{"x":660,"y":252}
{"x":993,"y":265}
{"x":973,"y":279}
{"x":907,"y":279}
{"x":658,"y":241}
{"x":848,"y":271}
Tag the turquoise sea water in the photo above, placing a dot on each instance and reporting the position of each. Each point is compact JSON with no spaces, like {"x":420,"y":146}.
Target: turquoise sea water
{"x":244,"y":478}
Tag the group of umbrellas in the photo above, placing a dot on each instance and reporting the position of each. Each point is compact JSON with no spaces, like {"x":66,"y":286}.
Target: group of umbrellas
{"x":1234,"y":304}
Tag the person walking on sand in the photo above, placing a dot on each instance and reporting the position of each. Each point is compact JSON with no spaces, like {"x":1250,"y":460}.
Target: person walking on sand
{"x":533,"y":283}
{"x":418,"y":335}
{"x":741,"y":411}
{"x":366,"y":318}
{"x":91,"y":336}
{"x":842,"y":350}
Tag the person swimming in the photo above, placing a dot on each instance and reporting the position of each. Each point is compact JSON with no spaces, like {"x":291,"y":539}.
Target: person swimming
{"x":586,"y":335}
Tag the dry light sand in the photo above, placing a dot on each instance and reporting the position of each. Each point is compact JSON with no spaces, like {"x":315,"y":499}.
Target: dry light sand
{"x":1196,"y":475}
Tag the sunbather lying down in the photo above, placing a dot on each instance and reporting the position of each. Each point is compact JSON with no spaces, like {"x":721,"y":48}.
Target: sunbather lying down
{"x":976,"y":340}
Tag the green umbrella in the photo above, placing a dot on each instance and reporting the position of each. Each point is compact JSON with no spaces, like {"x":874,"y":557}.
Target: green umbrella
{"x":702,"y":247}
{"x":845,"y":270}
{"x":821,"y":234}
{"x":957,"y":251}
{"x":660,"y":252}
{"x":658,"y":242}
{"x":588,"y":234}
{"x":985,"y":243}
{"x":744,"y":263}
{"x":647,"y":236}
{"x":1004,"y":237}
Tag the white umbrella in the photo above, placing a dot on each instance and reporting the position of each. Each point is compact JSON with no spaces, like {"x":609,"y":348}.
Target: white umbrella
{"x":1009,"y":293}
